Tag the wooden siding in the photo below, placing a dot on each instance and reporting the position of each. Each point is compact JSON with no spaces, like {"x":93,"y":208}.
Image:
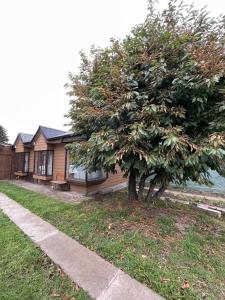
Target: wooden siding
{"x":19,"y":146}
{"x":40,"y":143}
{"x":40,"y":177}
{"x":59,"y":162}
{"x":6,"y":162}
{"x":78,"y":188}
{"x":31,"y":161}
{"x":111,"y":181}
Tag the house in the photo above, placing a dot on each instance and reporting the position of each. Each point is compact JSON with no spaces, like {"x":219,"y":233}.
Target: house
{"x":43,"y":159}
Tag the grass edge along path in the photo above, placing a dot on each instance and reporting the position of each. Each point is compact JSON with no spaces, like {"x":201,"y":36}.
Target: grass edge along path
{"x":27,"y":273}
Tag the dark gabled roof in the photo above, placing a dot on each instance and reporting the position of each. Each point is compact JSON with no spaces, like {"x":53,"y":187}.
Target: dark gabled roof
{"x":50,"y":133}
{"x":68,"y":137}
{"x":26,"y":137}
{"x":62,"y":135}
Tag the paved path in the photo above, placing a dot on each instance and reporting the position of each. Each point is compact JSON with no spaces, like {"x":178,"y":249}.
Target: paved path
{"x":70,"y":196}
{"x":191,"y":195}
{"x":196,"y":195}
{"x":98,"y":277}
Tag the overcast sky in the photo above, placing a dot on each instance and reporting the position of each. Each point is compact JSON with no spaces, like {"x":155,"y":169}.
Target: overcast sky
{"x":40,"y":42}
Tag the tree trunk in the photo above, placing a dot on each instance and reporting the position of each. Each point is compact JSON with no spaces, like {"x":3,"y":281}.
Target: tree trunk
{"x":132,"y":191}
{"x":159,"y":193}
{"x":150,"y":191}
{"x":142,"y":187}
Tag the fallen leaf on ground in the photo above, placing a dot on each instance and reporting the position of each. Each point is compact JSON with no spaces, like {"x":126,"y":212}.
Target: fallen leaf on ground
{"x":186,"y":284}
{"x":76,"y":286}
{"x":62,"y":274}
{"x":164,"y":279}
{"x":54,"y":294}
{"x":51,"y":275}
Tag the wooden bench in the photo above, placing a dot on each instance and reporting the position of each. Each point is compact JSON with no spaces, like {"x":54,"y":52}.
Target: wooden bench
{"x":20,"y":174}
{"x":60,"y":185}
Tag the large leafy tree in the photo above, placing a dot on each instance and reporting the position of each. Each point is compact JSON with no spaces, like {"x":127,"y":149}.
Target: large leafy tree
{"x":3,"y":135}
{"x":154,"y":103}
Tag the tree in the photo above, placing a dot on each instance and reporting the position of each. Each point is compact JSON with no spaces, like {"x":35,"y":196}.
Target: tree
{"x":154,"y":103}
{"x":3,"y":135}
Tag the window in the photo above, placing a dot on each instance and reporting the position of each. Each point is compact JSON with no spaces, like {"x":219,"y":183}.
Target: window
{"x":44,"y":163}
{"x":22,"y":162}
{"x":26,"y":162}
{"x":79,"y":174}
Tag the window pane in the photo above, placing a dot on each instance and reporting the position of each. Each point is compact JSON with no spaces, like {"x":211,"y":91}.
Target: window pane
{"x":26,"y":162}
{"x":21,"y":163}
{"x":50,"y":161}
{"x":96,"y":175}
{"x":43,"y":163}
{"x":77,"y":173}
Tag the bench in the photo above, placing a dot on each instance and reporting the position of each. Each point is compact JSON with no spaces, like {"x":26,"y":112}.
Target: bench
{"x":60,"y":185}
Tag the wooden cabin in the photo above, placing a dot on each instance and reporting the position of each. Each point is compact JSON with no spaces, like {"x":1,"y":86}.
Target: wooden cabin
{"x":42,"y":158}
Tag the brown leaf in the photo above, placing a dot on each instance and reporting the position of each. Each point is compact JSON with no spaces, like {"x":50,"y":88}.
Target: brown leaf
{"x":186,"y":284}
{"x":51,"y":275}
{"x":62,"y":274}
{"x":77,"y":288}
{"x":54,"y":294}
{"x":164,"y":279}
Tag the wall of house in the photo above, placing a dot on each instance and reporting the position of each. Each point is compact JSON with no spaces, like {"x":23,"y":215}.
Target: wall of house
{"x":31,"y":161}
{"x":110,"y":182}
{"x":75,"y":187}
{"x":59,"y":167}
{"x":59,"y":161}
{"x":40,"y":143}
{"x":19,"y":146}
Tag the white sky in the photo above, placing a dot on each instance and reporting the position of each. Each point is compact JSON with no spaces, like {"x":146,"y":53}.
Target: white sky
{"x":40,"y":42}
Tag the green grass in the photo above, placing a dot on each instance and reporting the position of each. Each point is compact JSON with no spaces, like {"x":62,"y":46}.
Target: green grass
{"x":26,"y":273}
{"x":164,"y":246}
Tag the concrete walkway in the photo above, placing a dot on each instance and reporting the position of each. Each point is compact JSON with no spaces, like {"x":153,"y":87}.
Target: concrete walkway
{"x":195,"y":195}
{"x":71,"y":197}
{"x":98,"y":277}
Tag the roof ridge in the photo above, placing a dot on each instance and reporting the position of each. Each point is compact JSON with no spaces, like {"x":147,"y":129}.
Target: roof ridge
{"x":41,"y":126}
{"x":25,"y":133}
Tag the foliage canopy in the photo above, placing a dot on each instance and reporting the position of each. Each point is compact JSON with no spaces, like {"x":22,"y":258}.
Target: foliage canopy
{"x":154,"y":103}
{"x":3,"y":135}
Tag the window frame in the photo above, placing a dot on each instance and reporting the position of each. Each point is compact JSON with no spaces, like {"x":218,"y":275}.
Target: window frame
{"x":84,"y":181}
{"x":18,"y":156}
{"x":37,"y":158}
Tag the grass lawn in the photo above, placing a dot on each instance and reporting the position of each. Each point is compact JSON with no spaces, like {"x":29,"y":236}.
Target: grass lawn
{"x":26,"y":273}
{"x":177,"y":251}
